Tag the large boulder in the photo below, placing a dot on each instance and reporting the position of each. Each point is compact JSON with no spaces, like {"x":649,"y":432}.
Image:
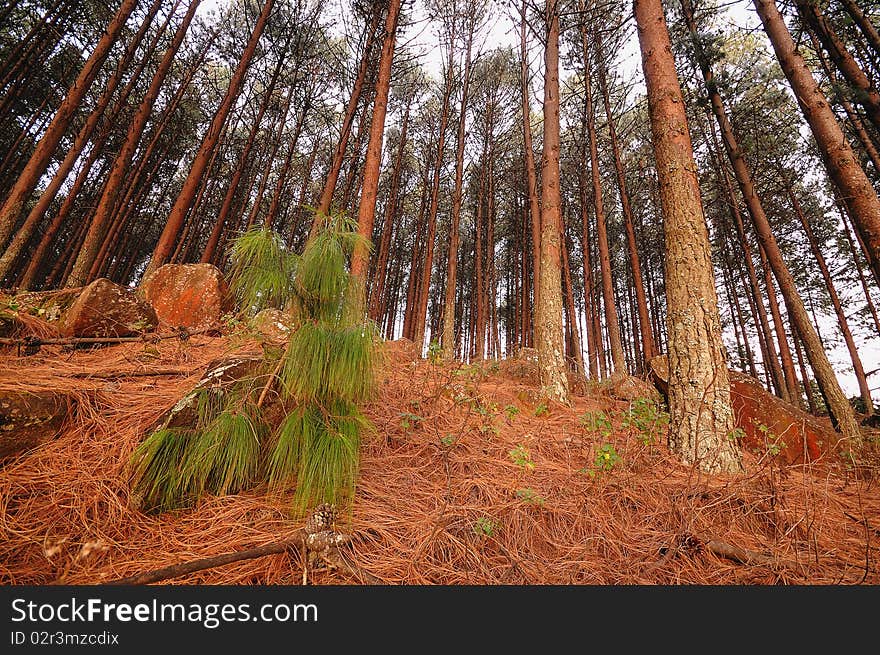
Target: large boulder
{"x":105,"y":309}
{"x":28,"y":419}
{"x":193,"y":296}
{"x":768,"y":423}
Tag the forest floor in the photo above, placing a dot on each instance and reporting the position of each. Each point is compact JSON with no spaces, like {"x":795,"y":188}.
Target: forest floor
{"x":468,"y":478}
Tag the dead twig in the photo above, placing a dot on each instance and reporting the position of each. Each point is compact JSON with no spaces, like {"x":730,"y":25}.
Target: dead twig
{"x":149,"y":337}
{"x":112,"y":375}
{"x":749,"y":557}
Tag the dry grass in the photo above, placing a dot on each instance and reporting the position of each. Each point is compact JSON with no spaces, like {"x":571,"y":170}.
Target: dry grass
{"x":440,"y":499}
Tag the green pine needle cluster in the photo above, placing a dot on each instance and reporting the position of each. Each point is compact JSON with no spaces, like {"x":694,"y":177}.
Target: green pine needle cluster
{"x":262,"y":270}
{"x":327,"y":373}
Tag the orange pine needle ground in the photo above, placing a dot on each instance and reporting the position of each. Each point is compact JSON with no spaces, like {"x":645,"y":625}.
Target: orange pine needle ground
{"x":456,"y":487}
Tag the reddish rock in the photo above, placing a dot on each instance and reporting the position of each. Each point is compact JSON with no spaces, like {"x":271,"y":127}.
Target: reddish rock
{"x":628,"y":387}
{"x":187,"y":295}
{"x":220,"y":376}
{"x":272,"y":324}
{"x":105,"y":309}
{"x":28,"y":419}
{"x":767,"y":421}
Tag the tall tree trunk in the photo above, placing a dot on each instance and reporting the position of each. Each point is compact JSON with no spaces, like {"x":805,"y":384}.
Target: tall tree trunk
{"x":840,"y":160}
{"x":326,"y":198}
{"x":612,"y":323}
{"x":38,"y":212}
{"x":548,"y":324}
{"x":635,"y":265}
{"x":865,"y":25}
{"x":448,"y":335}
{"x":838,"y":404}
{"x":701,"y":416}
{"x":865,"y":140}
{"x":181,"y":206}
{"x":529,"y":162}
{"x":808,"y":388}
{"x":858,"y":265}
{"x":421,"y":310}
{"x":377,"y":303}
{"x":360,"y":258}
{"x":107,"y":204}
{"x":858,"y":369}
{"x":226,"y":207}
{"x":771,"y":360}
{"x":39,"y":160}
{"x":577,"y":352}
{"x":865,"y":93}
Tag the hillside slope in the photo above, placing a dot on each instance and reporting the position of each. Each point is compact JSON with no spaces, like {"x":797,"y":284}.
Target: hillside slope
{"x":469,"y":478}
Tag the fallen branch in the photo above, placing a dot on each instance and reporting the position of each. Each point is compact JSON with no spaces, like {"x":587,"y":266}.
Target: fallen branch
{"x":320,"y":545}
{"x":750,"y":557}
{"x":112,"y":375}
{"x":185,"y":568}
{"x":149,"y":337}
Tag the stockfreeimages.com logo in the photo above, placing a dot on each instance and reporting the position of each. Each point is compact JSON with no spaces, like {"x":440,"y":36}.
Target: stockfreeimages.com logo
{"x":209,"y":615}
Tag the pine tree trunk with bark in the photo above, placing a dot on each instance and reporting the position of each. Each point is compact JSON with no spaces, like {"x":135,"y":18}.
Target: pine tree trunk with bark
{"x":548,"y":323}
{"x":701,"y":416}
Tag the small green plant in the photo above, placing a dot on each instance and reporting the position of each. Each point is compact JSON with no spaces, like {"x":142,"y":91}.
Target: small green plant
{"x":521,"y":457}
{"x":435,"y":352}
{"x":448,"y":440}
{"x":322,"y":377}
{"x":409,"y":421}
{"x":772,"y":441}
{"x":484,"y":527}
{"x":542,"y":409}
{"x":529,"y":496}
{"x":140,"y":325}
{"x":511,"y":411}
{"x":606,"y":459}
{"x":646,"y":416}
{"x":262,"y":270}
{"x":596,"y":422}
{"x":736,"y":434}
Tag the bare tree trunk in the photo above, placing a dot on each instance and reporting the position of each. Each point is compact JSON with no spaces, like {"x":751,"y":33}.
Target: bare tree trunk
{"x":548,"y":324}
{"x":577,"y":352}
{"x":842,"y":164}
{"x":223,"y":215}
{"x":855,"y":120}
{"x":635,"y":265}
{"x":422,"y":299}
{"x":377,"y":300}
{"x":858,"y":369}
{"x":107,"y":204}
{"x":858,"y":265}
{"x":771,"y":360}
{"x":865,"y":93}
{"x":448,"y":336}
{"x":360,"y":258}
{"x":39,"y":160}
{"x":38,"y":212}
{"x":326,"y":198}
{"x":865,"y":25}
{"x":838,"y":404}
{"x":612,"y":323}
{"x":701,"y":416}
{"x":184,"y":200}
{"x":529,"y":162}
